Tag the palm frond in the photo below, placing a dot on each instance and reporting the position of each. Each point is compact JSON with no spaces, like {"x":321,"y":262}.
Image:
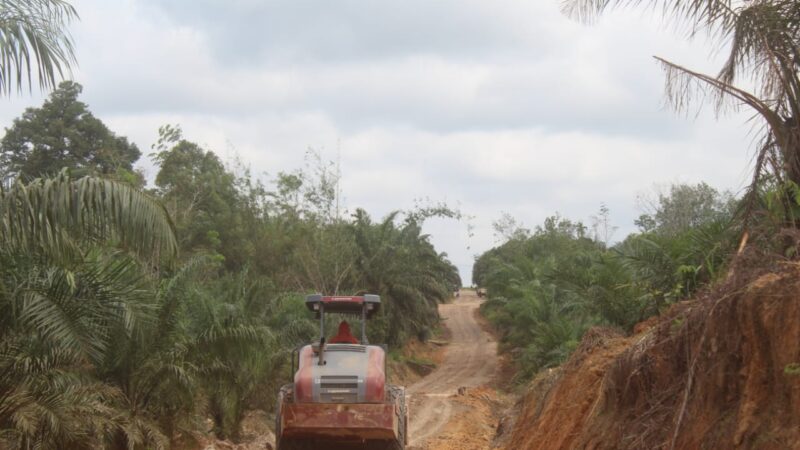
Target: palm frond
{"x":48,"y":215}
{"x":711,"y":14}
{"x":33,"y":33}
{"x":762,"y":42}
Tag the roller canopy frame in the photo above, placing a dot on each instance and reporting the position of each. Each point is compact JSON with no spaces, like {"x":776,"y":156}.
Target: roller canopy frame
{"x":354,"y":305}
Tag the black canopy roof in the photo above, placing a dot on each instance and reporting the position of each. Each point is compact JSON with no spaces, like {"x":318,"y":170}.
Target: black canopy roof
{"x":344,"y":304}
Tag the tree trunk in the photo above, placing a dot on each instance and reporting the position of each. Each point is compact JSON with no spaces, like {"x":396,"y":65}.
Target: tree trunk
{"x":790,"y":151}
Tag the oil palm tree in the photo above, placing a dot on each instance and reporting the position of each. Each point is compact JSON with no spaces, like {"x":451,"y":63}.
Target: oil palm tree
{"x":763,"y":42}
{"x":75,"y":264}
{"x":399,"y":263}
{"x":33,"y":33}
{"x":231,"y":346}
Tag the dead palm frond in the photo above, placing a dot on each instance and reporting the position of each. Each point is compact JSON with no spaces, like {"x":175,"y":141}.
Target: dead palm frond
{"x":762,"y":40}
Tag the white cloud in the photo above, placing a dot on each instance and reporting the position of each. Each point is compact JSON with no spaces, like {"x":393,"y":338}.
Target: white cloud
{"x":497,"y":106}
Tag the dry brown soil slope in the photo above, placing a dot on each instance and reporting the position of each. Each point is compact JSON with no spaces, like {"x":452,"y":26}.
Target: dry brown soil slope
{"x":719,"y":372}
{"x":470,"y":361}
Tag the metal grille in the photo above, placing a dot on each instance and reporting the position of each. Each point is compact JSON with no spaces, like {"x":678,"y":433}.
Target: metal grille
{"x":339,"y":389}
{"x":339,"y":381}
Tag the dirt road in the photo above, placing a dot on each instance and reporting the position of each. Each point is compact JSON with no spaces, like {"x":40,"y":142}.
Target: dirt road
{"x":470,"y":361}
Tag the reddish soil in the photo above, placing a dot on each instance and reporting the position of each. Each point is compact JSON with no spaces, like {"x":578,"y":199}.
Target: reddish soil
{"x":404,"y":374}
{"x":256,"y":435}
{"x":437,"y":411}
{"x":719,"y":372}
{"x":473,"y":425}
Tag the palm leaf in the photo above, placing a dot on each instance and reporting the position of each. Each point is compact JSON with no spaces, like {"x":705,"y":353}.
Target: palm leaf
{"x":50,"y":216}
{"x":33,"y":33}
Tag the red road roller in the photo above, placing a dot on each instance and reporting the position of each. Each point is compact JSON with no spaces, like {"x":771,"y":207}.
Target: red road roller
{"x":340,"y":396}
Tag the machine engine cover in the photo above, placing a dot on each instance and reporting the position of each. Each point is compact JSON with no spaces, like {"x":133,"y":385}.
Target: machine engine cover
{"x":351,"y":374}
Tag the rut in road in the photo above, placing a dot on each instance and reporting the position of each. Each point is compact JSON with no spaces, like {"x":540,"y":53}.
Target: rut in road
{"x":470,"y":361}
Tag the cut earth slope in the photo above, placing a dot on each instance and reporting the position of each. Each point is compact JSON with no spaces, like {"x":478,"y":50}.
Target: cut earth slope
{"x":721,"y":371}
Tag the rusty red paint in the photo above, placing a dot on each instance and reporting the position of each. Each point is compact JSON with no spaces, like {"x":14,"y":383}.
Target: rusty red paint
{"x":303,"y":379}
{"x":339,"y":421}
{"x":376,"y":378}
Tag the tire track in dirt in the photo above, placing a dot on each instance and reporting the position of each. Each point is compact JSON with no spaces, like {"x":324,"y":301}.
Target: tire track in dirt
{"x":470,"y":361}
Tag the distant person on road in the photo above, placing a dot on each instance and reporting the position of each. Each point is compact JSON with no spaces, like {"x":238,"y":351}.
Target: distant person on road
{"x":344,"y":336}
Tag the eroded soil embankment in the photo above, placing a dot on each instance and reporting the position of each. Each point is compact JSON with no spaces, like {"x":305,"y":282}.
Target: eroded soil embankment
{"x":718,"y":372}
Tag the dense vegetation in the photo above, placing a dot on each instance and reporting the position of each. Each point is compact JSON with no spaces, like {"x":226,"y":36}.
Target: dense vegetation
{"x":548,"y":287}
{"x":128,"y":316}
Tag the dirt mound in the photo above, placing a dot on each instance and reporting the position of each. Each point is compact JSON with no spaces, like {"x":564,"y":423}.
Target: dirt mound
{"x":256,"y":435}
{"x":719,"y":372}
{"x":474,"y":424}
{"x":416,"y":360}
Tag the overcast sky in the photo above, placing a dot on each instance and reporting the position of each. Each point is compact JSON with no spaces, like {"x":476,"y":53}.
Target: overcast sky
{"x":493,"y":106}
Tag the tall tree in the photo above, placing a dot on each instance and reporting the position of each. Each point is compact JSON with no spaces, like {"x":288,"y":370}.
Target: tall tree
{"x":684,"y":207}
{"x":763,"y":42}
{"x":64,"y":133}
{"x":33,"y":32}
{"x":202,"y":196}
